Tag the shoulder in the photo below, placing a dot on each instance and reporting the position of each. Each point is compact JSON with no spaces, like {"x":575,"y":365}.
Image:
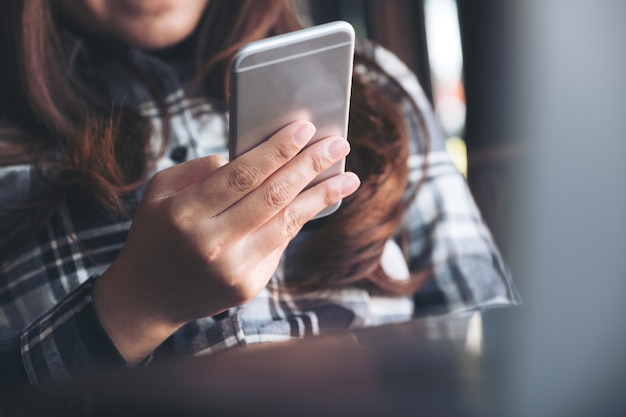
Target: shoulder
{"x":380,"y":67}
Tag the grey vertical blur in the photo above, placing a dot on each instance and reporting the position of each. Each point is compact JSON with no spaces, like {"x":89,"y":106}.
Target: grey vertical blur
{"x":568,"y":109}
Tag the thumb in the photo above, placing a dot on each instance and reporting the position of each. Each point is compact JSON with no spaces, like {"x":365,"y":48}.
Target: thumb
{"x":178,"y":177}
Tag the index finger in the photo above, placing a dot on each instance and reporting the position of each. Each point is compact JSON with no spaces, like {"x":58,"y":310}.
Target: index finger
{"x":233,"y":181}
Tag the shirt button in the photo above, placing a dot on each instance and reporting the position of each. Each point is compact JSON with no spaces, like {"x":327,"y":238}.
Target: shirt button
{"x":178,"y":154}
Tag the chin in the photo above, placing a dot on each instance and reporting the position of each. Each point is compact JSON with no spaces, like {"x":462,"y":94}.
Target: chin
{"x":155,"y":37}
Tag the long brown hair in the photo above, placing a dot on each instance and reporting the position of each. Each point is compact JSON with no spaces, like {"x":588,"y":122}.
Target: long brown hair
{"x":65,"y":131}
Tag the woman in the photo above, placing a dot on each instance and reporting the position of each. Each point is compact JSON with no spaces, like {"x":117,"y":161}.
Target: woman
{"x":102,"y":95}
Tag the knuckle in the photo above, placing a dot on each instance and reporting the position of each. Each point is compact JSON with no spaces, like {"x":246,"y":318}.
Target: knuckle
{"x":290,"y":222}
{"x":282,"y":154}
{"x":318,"y":163}
{"x":175,"y":214}
{"x":332,"y":196}
{"x":241,"y":178}
{"x":277,"y":194}
{"x":212,"y":253}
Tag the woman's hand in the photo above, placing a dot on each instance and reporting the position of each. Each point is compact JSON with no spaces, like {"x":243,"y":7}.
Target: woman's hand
{"x":208,"y":235}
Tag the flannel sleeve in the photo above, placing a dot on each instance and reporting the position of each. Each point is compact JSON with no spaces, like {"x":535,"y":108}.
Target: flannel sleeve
{"x":65,"y":342}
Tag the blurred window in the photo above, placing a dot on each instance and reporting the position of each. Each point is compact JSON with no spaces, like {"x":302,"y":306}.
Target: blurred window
{"x":443,"y":37}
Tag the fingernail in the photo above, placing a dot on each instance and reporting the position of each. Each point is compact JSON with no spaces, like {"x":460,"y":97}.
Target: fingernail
{"x":349,"y":184}
{"x":304,"y":134}
{"x":338,"y":149}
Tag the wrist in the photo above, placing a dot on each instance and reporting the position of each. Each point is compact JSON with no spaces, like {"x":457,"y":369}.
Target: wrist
{"x":132,"y":328}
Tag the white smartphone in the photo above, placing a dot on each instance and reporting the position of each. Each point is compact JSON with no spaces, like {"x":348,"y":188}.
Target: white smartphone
{"x":306,"y":74}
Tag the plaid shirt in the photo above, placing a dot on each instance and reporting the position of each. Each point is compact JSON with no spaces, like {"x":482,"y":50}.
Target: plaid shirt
{"x":48,"y":324}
